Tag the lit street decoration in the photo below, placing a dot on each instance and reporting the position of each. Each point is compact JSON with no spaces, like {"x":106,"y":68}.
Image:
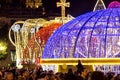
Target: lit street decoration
{"x":21,"y":36}
{"x":99,"y":5}
{"x":16,"y":27}
{"x":33,"y":3}
{"x":42,"y":37}
{"x":3,"y":49}
{"x":92,"y":35}
{"x":63,"y":4}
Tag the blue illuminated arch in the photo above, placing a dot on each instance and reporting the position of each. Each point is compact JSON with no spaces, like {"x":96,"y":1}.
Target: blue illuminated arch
{"x":92,"y":35}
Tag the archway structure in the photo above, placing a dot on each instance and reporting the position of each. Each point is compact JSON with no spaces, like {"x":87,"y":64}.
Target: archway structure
{"x":93,"y":38}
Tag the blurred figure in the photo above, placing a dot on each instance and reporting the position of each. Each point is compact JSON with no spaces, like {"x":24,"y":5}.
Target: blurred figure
{"x":79,"y":66}
{"x":70,"y":75}
{"x":81,"y":71}
{"x":82,"y":75}
{"x":9,"y":76}
{"x":97,"y":75}
{"x":110,"y":75}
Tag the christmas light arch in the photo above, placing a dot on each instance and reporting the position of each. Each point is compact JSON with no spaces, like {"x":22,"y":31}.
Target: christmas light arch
{"x":92,"y":35}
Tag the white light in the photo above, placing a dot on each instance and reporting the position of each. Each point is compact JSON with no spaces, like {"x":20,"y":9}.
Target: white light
{"x":18,"y":64}
{"x":118,"y":43}
{"x":32,"y":30}
{"x":16,"y":27}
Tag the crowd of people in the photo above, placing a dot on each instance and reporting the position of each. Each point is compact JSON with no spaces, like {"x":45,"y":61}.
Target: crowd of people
{"x":12,"y":73}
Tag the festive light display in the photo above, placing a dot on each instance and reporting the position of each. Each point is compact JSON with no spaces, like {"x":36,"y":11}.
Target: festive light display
{"x":41,"y":36}
{"x":3,"y":48}
{"x":63,"y":4}
{"x":33,"y":3}
{"x":22,"y":32}
{"x":92,"y":35}
{"x":44,"y":33}
{"x":108,"y":68}
{"x":99,"y":5}
{"x":114,"y":4}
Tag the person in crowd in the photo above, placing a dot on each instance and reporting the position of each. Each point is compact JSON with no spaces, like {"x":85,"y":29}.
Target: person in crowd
{"x":110,"y":75}
{"x":81,"y":71}
{"x":117,"y":77}
{"x":9,"y":76}
{"x":25,"y":75}
{"x":70,"y":75}
{"x":97,"y":75}
{"x":83,"y":74}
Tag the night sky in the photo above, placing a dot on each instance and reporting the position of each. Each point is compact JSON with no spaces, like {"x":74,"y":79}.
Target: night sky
{"x":77,"y":7}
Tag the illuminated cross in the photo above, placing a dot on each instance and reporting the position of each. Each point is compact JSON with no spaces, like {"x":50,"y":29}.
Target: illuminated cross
{"x":63,"y":4}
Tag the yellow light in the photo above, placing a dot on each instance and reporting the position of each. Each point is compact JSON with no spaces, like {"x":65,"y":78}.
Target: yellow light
{"x":36,"y":6}
{"x":85,"y":61}
{"x":2,"y":48}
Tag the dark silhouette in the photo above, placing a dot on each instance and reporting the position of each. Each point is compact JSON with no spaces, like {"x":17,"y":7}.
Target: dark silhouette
{"x":70,"y":75}
{"x":79,"y":67}
{"x":97,"y":75}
